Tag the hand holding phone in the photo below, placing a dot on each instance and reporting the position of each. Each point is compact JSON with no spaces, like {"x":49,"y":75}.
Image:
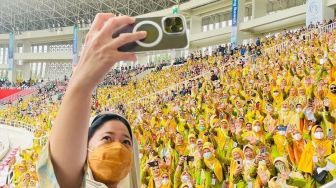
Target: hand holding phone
{"x":189,"y":158}
{"x":330,"y":134}
{"x":153,"y":164}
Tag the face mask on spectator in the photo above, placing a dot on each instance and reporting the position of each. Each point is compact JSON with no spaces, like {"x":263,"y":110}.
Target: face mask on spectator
{"x":297,"y":136}
{"x":185,"y":178}
{"x":318,"y":135}
{"x":298,"y":110}
{"x":207,"y":155}
{"x":165,"y":181}
{"x":256,"y":129}
{"x":279,"y":167}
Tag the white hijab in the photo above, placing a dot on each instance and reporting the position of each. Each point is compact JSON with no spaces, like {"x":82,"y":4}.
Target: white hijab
{"x":132,"y":180}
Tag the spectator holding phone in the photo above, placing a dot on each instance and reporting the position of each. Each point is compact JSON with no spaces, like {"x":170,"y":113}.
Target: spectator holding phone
{"x":104,"y":154}
{"x":183,"y":175}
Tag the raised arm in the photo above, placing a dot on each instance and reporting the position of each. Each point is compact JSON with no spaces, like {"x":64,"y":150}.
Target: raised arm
{"x":69,"y":135}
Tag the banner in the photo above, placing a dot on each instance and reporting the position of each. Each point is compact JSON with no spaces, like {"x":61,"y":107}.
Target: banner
{"x":10,"y":59}
{"x":314,"y":12}
{"x":75,"y":46}
{"x":234,"y":18}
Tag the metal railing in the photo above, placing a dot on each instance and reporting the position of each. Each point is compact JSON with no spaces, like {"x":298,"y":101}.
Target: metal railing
{"x":19,"y":124}
{"x":306,"y":35}
{"x":42,"y":140}
{"x":325,"y":29}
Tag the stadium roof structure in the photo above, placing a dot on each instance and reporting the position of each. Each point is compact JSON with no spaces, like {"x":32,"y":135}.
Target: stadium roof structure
{"x":27,"y":15}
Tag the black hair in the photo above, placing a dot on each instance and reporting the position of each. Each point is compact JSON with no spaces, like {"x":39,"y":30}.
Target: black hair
{"x":99,"y":120}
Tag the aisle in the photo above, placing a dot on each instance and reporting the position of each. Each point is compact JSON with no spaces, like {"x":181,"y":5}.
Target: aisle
{"x":17,"y":137}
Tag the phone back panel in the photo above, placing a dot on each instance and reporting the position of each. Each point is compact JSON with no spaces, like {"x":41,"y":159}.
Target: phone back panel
{"x":168,"y":41}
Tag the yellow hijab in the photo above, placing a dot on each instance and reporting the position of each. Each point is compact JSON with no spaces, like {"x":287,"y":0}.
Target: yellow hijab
{"x":213,"y":164}
{"x":306,"y":162}
{"x":233,"y":165}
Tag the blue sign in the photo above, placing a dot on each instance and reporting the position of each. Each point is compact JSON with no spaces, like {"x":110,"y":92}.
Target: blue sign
{"x":10,"y":59}
{"x":234,"y":27}
{"x":75,"y":45}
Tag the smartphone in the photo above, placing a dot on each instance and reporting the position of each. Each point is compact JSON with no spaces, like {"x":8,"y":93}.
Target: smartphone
{"x":238,"y":162}
{"x":163,"y":33}
{"x":153,"y":164}
{"x":189,"y":158}
{"x":330,"y":132}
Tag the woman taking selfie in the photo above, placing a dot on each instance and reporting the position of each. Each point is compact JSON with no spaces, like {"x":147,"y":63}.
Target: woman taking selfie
{"x":104,"y":154}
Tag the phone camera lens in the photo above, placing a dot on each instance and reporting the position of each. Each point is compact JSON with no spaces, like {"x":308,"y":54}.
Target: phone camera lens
{"x":178,"y":21}
{"x":173,"y":25}
{"x":174,"y":28}
{"x":168,"y":22}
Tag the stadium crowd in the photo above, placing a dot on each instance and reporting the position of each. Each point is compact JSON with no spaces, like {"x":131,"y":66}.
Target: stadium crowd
{"x":236,"y":118}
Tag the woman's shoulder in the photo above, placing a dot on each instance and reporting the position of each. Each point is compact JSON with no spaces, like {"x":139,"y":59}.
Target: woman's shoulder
{"x":47,"y":177}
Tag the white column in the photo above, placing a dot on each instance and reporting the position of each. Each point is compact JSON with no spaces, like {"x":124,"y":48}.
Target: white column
{"x":329,"y":12}
{"x":259,"y":8}
{"x":173,"y":57}
{"x":241,"y":11}
{"x":26,"y":47}
{"x":195,"y":24}
{"x":142,"y":59}
{"x":25,"y":68}
{"x":241,"y":15}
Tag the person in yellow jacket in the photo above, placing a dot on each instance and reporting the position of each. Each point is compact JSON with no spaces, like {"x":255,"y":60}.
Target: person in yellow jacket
{"x":150,"y":176}
{"x":296,"y":147}
{"x":236,"y":169}
{"x":180,"y":146}
{"x":258,"y":135}
{"x":284,"y":176}
{"x":286,"y":114}
{"x":165,"y":180}
{"x":297,"y":118}
{"x":319,"y":146}
{"x":277,"y":141}
{"x":191,"y":147}
{"x":209,"y":173}
{"x":182,"y":174}
{"x":332,"y":96}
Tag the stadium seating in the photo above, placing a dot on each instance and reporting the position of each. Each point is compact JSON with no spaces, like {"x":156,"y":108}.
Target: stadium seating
{"x":221,"y":119}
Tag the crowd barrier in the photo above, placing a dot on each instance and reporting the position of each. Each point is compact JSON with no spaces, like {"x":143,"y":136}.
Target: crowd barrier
{"x":325,"y":29}
{"x":19,"y":124}
{"x":5,"y":172}
{"x":4,"y":140}
{"x":308,"y":35}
